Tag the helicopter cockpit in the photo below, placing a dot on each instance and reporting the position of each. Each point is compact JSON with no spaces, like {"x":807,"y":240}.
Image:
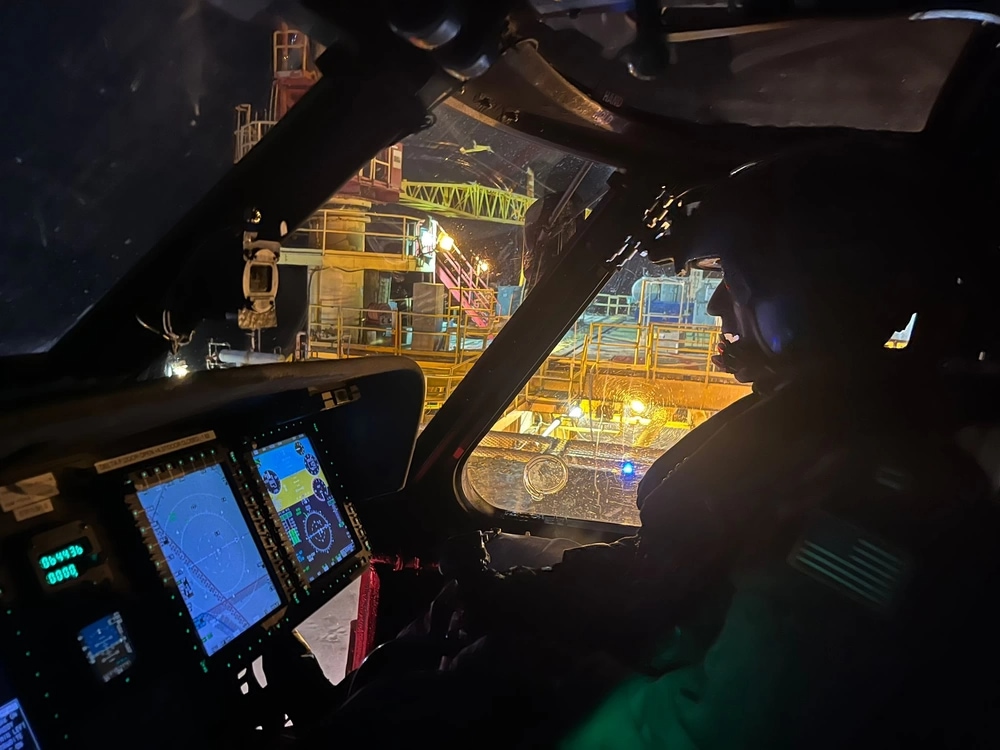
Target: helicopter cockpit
{"x":175,"y":510}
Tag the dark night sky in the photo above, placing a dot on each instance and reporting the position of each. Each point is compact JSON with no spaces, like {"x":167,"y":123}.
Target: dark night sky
{"x":120,"y":115}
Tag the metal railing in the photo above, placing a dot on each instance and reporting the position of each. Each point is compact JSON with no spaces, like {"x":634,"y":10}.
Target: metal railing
{"x":660,"y":350}
{"x":341,"y":229}
{"x":647,"y":353}
{"x":450,"y":338}
{"x":611,"y":305}
{"x":684,"y":350}
{"x":446,"y":346}
{"x":653,"y":289}
{"x":378,"y":170}
{"x":250,"y":128}
{"x":467,"y":286}
{"x":479,"y":306}
{"x":290,"y":54}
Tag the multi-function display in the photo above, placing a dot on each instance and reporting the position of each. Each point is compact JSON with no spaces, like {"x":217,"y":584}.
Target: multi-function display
{"x":306,"y":505}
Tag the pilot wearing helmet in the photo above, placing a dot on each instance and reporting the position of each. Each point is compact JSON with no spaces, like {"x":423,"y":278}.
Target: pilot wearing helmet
{"x":806,"y":554}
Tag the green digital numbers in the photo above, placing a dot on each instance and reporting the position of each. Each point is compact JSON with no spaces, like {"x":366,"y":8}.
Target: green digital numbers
{"x":63,"y":564}
{"x":60,"y":556}
{"x":65,"y":573}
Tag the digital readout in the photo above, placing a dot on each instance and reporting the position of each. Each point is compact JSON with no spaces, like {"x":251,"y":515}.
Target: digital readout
{"x":66,"y":562}
{"x":65,"y":573}
{"x":64,"y":554}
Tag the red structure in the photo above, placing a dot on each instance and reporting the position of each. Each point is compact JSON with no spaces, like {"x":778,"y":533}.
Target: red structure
{"x":295,"y":71}
{"x":363,"y":628}
{"x":380,"y":179}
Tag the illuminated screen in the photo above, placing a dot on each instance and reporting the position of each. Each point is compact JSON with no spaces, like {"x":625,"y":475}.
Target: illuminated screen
{"x":211,"y":553}
{"x":107,"y":647}
{"x":300,"y":492}
{"x":15,"y":732}
{"x":67,"y":562}
{"x":64,"y":554}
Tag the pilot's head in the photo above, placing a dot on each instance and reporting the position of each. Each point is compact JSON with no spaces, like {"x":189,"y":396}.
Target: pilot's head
{"x":823,"y":253}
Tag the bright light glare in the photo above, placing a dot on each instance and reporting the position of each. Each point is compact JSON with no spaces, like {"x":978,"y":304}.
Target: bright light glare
{"x":427,"y":239}
{"x":628,"y":468}
{"x":483,"y":266}
{"x":575,"y":412}
{"x":637,"y":406}
{"x":446,"y":243}
{"x":179,"y":370}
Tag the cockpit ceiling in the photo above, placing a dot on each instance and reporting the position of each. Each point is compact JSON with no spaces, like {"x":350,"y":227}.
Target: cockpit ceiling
{"x":871,"y":75}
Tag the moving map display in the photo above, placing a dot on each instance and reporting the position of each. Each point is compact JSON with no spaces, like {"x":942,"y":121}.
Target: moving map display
{"x":210,"y":551}
{"x":300,"y":492}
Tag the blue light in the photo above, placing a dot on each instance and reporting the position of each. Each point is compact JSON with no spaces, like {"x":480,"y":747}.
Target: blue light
{"x":628,"y":468}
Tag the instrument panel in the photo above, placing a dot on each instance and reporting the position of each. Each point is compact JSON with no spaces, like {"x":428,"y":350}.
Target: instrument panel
{"x":140,"y":585}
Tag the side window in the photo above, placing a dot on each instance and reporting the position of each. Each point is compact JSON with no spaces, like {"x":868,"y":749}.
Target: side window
{"x":629,"y":380}
{"x":901,"y":338}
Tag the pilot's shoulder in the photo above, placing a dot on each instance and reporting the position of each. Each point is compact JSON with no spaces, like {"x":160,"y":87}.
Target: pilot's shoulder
{"x":912,"y":478}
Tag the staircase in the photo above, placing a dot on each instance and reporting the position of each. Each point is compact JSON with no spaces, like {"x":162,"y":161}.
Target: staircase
{"x":466,"y":286}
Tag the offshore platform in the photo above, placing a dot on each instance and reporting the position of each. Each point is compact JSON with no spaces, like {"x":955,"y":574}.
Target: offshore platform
{"x":384,"y":276}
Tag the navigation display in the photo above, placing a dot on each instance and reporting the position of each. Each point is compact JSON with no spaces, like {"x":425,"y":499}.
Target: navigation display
{"x":300,"y":492}
{"x":211,"y":552}
{"x":106,"y":647}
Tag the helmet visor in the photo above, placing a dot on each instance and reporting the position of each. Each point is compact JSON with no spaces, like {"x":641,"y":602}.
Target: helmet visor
{"x":710,"y":263}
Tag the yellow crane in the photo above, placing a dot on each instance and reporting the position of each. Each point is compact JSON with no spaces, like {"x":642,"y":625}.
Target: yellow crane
{"x":465,"y":201}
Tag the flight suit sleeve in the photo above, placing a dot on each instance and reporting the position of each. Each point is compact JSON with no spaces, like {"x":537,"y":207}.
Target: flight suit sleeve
{"x":589,"y":578}
{"x":794,"y":654}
